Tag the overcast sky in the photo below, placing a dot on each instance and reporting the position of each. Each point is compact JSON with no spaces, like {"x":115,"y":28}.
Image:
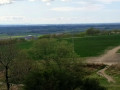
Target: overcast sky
{"x":59,"y":11}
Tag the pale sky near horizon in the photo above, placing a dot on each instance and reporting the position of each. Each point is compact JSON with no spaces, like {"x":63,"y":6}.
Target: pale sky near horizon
{"x":59,"y":11}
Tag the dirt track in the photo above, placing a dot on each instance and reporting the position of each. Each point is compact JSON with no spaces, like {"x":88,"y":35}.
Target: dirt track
{"x":103,"y":74}
{"x":109,"y":58}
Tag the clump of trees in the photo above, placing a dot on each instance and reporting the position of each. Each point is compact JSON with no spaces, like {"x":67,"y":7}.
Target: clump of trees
{"x":21,"y":66}
{"x":61,"y":69}
{"x":51,"y":64}
{"x":69,"y":76}
{"x":46,"y":49}
{"x":93,"y":31}
{"x":7,"y":55}
{"x":15,"y":63}
{"x":52,"y":80}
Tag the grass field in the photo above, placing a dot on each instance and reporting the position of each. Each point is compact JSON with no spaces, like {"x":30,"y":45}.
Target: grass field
{"x":86,"y":46}
{"x":94,"y":46}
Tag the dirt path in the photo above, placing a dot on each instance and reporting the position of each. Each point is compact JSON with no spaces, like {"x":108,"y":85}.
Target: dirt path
{"x":109,"y":58}
{"x":103,"y":74}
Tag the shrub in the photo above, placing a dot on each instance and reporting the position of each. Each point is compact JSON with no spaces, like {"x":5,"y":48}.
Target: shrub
{"x":51,"y":80}
{"x":92,"y":84}
{"x":66,"y":77}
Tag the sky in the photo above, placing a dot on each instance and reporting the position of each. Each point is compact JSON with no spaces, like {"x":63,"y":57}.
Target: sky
{"x":59,"y":11}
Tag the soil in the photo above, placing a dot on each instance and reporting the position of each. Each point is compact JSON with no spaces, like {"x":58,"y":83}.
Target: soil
{"x":109,"y":58}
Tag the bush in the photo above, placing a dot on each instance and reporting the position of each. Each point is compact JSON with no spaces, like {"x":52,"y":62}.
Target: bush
{"x":66,"y":77}
{"x":56,"y":76}
{"x":47,"y":49}
{"x":51,"y":80}
{"x":21,"y":66}
{"x":92,"y":84}
{"x":59,"y":80}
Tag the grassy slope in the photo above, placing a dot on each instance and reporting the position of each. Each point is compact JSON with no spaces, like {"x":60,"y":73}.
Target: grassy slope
{"x":93,"y":46}
{"x":114,"y":71}
{"x":105,"y":83}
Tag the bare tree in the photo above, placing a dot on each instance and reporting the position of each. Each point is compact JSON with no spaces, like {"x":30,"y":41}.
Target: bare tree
{"x":7,"y":55}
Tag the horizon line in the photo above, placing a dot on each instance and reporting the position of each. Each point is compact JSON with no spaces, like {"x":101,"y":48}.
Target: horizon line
{"x":60,"y":24}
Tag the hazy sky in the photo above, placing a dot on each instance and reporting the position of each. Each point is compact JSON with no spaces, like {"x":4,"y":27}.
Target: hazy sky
{"x":59,"y":11}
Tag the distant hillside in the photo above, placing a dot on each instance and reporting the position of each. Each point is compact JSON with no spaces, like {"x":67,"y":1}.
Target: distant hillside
{"x":47,"y":29}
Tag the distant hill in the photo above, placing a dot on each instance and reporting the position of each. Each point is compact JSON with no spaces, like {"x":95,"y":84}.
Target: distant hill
{"x":48,"y":29}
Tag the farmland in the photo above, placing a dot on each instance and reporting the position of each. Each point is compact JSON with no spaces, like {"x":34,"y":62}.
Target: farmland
{"x":86,"y":46}
{"x":45,"y":51}
{"x":94,"y":46}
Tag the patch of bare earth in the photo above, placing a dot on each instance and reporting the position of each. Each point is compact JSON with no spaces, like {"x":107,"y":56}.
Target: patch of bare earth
{"x":103,"y":74}
{"x":109,"y":58}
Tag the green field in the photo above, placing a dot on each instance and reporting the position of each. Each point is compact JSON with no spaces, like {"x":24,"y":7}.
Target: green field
{"x":86,"y":46}
{"x":94,"y":46}
{"x":24,"y":44}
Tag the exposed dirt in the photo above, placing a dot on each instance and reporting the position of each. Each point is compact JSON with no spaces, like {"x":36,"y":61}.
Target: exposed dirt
{"x":103,"y":74}
{"x":109,"y":58}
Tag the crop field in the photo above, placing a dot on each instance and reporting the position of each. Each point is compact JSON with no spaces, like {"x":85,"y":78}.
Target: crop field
{"x":96,"y":45}
{"x":86,"y":46}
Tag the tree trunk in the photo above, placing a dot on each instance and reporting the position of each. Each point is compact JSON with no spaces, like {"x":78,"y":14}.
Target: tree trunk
{"x":6,"y":77}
